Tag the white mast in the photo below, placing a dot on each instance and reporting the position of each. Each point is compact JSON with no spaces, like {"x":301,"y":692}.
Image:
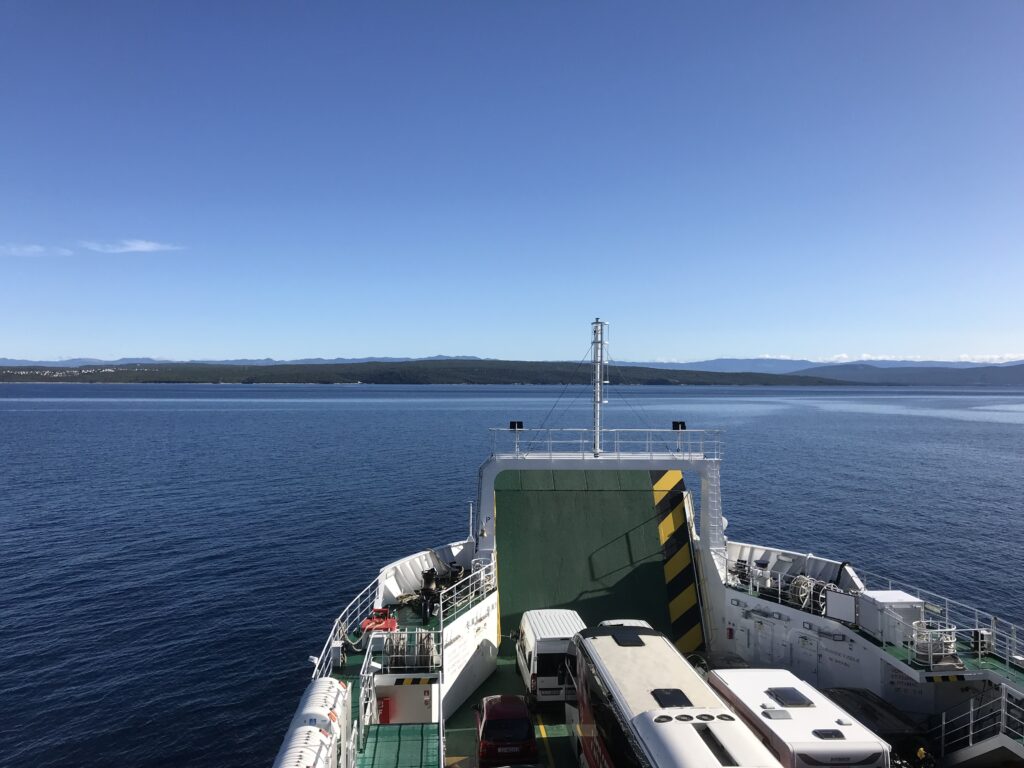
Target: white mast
{"x":598,"y":347}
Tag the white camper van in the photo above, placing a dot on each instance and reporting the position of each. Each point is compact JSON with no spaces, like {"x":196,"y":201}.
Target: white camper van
{"x":541,"y":646}
{"x":801,"y":725}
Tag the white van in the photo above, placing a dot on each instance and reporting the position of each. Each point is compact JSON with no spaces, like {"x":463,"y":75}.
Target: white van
{"x":542,"y":643}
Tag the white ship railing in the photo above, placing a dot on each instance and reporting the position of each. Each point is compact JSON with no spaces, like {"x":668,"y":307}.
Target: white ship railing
{"x":947,"y":633}
{"x":795,"y":591}
{"x":468,"y":592}
{"x":686,"y":444}
{"x":981,"y":720}
{"x":454,"y":599}
{"x":403,"y":651}
{"x":352,"y":616}
{"x":367,"y":706}
{"x":1006,"y":640}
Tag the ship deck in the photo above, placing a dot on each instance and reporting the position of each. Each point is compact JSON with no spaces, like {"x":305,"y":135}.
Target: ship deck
{"x":967,"y":660}
{"x":970,"y":659}
{"x":415,"y":745}
{"x":611,"y":520}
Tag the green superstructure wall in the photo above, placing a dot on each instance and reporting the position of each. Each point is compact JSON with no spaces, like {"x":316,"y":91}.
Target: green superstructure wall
{"x":583,"y":540}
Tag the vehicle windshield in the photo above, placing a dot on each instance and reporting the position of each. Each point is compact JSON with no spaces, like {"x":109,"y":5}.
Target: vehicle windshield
{"x":507,"y":730}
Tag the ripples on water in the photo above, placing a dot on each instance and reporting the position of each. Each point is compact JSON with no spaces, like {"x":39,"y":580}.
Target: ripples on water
{"x":170,"y":555}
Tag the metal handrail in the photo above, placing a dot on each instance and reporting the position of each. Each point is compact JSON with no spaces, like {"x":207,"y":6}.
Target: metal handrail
{"x":982,"y":720}
{"x":467,"y":592}
{"x":794,"y":590}
{"x":680,"y":443}
{"x":402,"y":650}
{"x":367,"y":701}
{"x":353,"y":613}
{"x":1000,"y":649}
{"x":953,"y":611}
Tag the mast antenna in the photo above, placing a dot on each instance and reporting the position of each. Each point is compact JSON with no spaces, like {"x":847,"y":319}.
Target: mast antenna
{"x":599,"y":348}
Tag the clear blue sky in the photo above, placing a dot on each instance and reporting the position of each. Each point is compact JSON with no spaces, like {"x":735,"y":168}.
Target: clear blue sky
{"x":801,"y":179}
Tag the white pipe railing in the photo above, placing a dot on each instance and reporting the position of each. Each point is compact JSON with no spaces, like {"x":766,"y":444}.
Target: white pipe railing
{"x":467,"y":592}
{"x":991,"y":642}
{"x":796,"y":591}
{"x":982,"y":720}
{"x":353,"y":614}
{"x":1008,"y":638}
{"x":679,"y":443}
{"x":367,"y":706}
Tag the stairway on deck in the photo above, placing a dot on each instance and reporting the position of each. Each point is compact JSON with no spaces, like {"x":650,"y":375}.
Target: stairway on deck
{"x":986,"y":733}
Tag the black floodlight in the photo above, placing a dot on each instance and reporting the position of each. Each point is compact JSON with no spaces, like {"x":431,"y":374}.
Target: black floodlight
{"x":679,"y":426}
{"x":515,"y":425}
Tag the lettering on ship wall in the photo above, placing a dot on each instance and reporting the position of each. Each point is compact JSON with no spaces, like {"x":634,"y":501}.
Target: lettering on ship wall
{"x":462,"y":639}
{"x":898,"y":682}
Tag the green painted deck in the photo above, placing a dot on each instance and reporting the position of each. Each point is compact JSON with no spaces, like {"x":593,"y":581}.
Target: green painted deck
{"x":401,"y":746}
{"x":585,"y":540}
{"x":970,"y":659}
{"x":350,"y":674}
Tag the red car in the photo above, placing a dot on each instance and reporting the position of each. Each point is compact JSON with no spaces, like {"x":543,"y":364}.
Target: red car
{"x":505,"y":732}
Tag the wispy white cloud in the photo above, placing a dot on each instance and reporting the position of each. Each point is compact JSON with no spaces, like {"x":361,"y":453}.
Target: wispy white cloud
{"x":1003,"y":358}
{"x":129,"y":246}
{"x":32,"y":249}
{"x":867,"y":357}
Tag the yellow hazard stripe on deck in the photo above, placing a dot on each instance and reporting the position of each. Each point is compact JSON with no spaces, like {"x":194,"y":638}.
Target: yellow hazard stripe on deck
{"x":414,"y":680}
{"x":946,"y":678}
{"x":680,"y":569}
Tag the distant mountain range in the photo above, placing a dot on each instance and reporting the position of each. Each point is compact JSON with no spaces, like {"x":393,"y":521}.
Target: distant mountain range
{"x":1006,"y":375}
{"x":783,"y":365}
{"x":78,"y":362}
{"x":474,"y":370}
{"x":718,"y":365}
{"x":447,"y":371}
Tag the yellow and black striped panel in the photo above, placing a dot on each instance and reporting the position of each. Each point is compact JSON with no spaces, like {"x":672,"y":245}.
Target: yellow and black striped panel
{"x":680,"y":567}
{"x":415,"y":680}
{"x":945,"y":678}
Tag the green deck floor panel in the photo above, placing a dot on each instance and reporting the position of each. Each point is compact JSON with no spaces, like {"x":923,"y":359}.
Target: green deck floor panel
{"x":594,"y":550}
{"x":350,"y":674}
{"x":409,"y":745}
{"x":970,"y":661}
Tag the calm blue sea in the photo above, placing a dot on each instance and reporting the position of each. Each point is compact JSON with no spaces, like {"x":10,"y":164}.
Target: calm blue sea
{"x":170,"y":555}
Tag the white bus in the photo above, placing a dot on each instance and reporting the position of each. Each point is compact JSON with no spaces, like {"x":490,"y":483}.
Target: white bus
{"x":641,"y":705}
{"x":802,"y":726}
